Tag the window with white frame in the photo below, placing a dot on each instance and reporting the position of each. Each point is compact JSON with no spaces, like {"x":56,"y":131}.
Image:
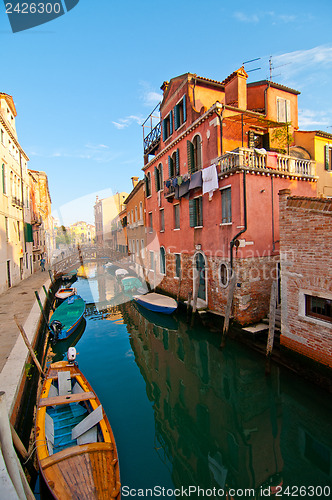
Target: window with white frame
{"x":177,"y":265}
{"x":162,"y":260}
{"x":180,"y":114}
{"x":176,"y":211}
{"x":158,"y":177}
{"x":328,"y":157}
{"x":151,"y":260}
{"x":167,"y":126}
{"x":283,"y":110}
{"x":162,"y":219}
{"x":226,"y":205}
{"x":196,"y":212}
{"x":318,"y":307}
{"x":141,"y":210}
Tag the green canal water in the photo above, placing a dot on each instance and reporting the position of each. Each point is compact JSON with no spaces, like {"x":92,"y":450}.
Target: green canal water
{"x":187,"y":415}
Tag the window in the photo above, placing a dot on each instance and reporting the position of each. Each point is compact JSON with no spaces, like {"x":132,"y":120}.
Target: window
{"x":180,"y":113}
{"x":142,"y":248}
{"x":283,"y":110}
{"x":137,"y":247}
{"x":151,"y":260}
{"x":162,"y":219}
{"x":196,"y":212}
{"x":174,"y":164}
{"x":2,"y":136}
{"x":194,"y":154}
{"x":226,"y":206}
{"x":168,"y":126}
{"x":148,"y":184}
{"x":158,"y":177}
{"x":328,"y":157}
{"x":318,"y":307}
{"x":162,"y":260}
{"x":7,"y":228}
{"x":136,"y":219}
{"x":177,"y":265}
{"x":150,"y":222}
{"x":141,"y":210}
{"x":4,"y":180}
{"x":223,"y":275}
{"x":176,"y":209}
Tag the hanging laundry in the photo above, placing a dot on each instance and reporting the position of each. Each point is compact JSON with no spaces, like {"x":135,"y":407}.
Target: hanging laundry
{"x":184,"y":189}
{"x":210,"y":180}
{"x":271,"y":159}
{"x":196,"y":180}
{"x":180,"y":180}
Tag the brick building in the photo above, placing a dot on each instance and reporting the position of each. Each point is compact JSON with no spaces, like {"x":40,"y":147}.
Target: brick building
{"x":306,"y":275}
{"x":213,"y":167}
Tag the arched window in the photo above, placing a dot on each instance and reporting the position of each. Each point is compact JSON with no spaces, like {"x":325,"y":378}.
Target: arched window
{"x":158,"y":177}
{"x":148,"y":184}
{"x":223,"y":275}
{"x":174,"y":164}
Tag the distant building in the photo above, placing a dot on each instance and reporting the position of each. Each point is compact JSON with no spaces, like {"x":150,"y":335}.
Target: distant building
{"x":15,"y":211}
{"x":105,"y":211}
{"x":82,"y":233}
{"x":306,"y":275}
{"x":319,"y":146}
{"x":42,"y":220}
{"x":136,"y":230}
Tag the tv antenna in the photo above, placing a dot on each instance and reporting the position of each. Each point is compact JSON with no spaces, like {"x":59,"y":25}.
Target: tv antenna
{"x":275,"y":67}
{"x":251,"y":60}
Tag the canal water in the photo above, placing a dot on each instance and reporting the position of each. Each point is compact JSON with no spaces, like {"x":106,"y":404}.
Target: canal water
{"x":187,"y":415}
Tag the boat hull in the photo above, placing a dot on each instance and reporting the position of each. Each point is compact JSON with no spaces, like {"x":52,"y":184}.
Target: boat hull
{"x":85,"y":471}
{"x":69,"y":314}
{"x":156,"y":302}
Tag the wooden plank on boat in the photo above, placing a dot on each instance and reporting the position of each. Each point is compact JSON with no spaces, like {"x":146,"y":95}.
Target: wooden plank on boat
{"x":90,"y":421}
{"x":64,"y":381}
{"x":71,"y":398}
{"x":74,"y":451}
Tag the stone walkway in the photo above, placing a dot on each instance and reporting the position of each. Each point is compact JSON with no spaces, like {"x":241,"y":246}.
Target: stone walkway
{"x":20,"y":300}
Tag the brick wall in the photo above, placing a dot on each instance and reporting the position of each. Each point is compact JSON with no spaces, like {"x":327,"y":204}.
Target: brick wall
{"x":306,"y":269}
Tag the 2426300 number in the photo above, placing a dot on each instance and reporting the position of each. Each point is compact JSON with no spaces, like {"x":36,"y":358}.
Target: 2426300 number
{"x":33,"y":8}
{"x":303,"y":491}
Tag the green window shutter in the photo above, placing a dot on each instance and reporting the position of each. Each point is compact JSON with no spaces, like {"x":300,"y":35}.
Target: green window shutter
{"x":192,"y":213}
{"x":176,"y":117}
{"x":177,"y":167}
{"x":164,"y":130}
{"x":28,"y":236}
{"x":171,"y":122}
{"x":327,"y":157}
{"x":156,"y":179}
{"x":184,"y":109}
{"x":200,"y":211}
{"x":190,"y":157}
{"x":3,"y":179}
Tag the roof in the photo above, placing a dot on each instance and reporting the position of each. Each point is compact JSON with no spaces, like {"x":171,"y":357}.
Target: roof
{"x":10,"y":102}
{"x":274,"y":85}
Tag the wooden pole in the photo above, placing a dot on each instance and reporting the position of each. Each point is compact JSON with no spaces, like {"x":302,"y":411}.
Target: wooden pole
{"x":18,"y":444}
{"x":42,"y":310}
{"x":7,"y":448}
{"x":48,"y":299}
{"x":27,"y":343}
{"x":228,"y":309}
{"x":272,"y":318}
{"x":180,"y":280}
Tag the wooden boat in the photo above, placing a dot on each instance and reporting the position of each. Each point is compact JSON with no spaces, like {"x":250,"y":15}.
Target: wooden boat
{"x":121,"y":273}
{"x":132,"y":284}
{"x":157,"y":302}
{"x":64,"y":293}
{"x":76,"y":448}
{"x":69,"y":276}
{"x":162,"y":320}
{"x":67,"y":317}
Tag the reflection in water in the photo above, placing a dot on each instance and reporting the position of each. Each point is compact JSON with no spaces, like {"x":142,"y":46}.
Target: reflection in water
{"x":210,"y":416}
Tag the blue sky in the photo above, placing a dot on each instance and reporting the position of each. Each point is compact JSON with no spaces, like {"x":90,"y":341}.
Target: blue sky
{"x":84,"y":83}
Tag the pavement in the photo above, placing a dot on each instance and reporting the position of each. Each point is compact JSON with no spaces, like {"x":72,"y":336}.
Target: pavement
{"x":20,"y":300}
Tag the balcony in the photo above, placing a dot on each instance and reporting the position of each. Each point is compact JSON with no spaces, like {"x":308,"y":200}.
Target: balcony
{"x":252,"y":159}
{"x":16,"y":202}
{"x":170,"y":190}
{"x":152,"y":140}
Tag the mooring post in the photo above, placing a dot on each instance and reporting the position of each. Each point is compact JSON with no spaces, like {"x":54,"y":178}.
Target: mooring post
{"x":29,"y":346}
{"x":272,"y":321}
{"x":13,"y":465}
{"x":228,"y":309}
{"x":42,"y":310}
{"x":47,"y":298}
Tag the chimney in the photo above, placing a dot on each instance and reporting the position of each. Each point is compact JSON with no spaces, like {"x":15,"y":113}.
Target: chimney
{"x":236,"y":89}
{"x":164,"y":86}
{"x":134,"y":180}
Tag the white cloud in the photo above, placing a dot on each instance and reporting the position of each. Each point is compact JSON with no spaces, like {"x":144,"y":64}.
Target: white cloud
{"x":313,"y":119}
{"x":126,"y":122}
{"x":246,"y":18}
{"x":99,"y":153}
{"x":300,"y":59}
{"x":149,"y":95}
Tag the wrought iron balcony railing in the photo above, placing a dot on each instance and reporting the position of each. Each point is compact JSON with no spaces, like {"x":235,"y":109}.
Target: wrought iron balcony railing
{"x":152,"y":140}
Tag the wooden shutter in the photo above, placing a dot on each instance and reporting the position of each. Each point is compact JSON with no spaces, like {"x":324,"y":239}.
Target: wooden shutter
{"x":164,"y":126}
{"x":190,"y":157}
{"x":176,"y":117}
{"x":177,"y":166}
{"x":156,"y":179}
{"x":200,"y":211}
{"x":327,"y":157}
{"x":251,"y":139}
{"x":184,"y":109}
{"x":192,"y":213}
{"x":171,"y":122}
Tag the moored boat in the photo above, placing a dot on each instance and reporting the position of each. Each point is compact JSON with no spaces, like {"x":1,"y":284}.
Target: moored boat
{"x":132,"y":284}
{"x":64,"y":293}
{"x":121,"y":273}
{"x":70,"y":275}
{"x":157,"y":302}
{"x":76,"y":449}
{"x":67,"y":317}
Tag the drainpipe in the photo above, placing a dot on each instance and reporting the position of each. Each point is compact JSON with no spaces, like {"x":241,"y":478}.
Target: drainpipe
{"x":220,"y":116}
{"x":232,"y":243}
